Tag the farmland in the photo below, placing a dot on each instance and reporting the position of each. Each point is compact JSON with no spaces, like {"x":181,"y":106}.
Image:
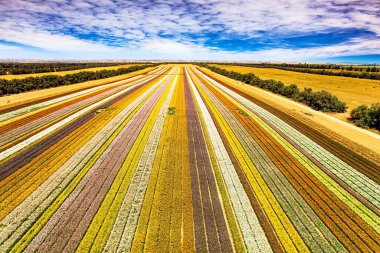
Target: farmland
{"x":180,"y":160}
{"x":352,"y":91}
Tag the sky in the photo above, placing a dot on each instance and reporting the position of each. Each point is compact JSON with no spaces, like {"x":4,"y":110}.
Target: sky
{"x":218,"y":30}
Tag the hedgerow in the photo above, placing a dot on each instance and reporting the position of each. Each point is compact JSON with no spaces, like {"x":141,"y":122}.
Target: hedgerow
{"x":321,"y":69}
{"x":16,"y":68}
{"x":320,"y":100}
{"x":33,"y":83}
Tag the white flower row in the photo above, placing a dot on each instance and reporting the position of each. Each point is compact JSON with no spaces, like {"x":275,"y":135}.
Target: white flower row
{"x":124,"y":228}
{"x":24,"y":215}
{"x":253,"y":234}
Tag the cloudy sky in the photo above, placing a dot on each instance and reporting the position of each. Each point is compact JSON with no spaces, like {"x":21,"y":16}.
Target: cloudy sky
{"x":275,"y":30}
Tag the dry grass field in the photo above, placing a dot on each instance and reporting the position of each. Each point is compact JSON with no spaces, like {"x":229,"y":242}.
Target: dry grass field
{"x":353,"y":91}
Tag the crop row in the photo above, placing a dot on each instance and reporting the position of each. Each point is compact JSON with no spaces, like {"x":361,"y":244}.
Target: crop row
{"x":358,"y":157}
{"x":80,"y":116}
{"x":104,"y":220}
{"x":123,"y":230}
{"x":282,"y":226}
{"x":253,"y":233}
{"x":215,"y":234}
{"x":268,"y":209}
{"x":63,"y":181}
{"x":274,"y":152}
{"x":28,"y":125}
{"x":19,"y":185}
{"x":307,"y":223}
{"x":162,"y":214}
{"x":278,"y":124}
{"x":77,"y":211}
{"x":32,"y":124}
{"x":177,"y":162}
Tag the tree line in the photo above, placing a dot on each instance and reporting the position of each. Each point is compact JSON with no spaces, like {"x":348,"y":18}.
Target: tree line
{"x":33,"y":83}
{"x":319,"y":100}
{"x":355,"y":74}
{"x":321,"y":69}
{"x":16,"y":68}
{"x":367,"y":68}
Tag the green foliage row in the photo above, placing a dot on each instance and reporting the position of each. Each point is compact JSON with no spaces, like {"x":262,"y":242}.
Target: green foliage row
{"x":16,"y":68}
{"x":320,"y":100}
{"x":367,"y":117}
{"x":15,"y":86}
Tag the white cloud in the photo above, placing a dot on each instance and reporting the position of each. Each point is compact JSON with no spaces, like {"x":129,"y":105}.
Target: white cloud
{"x":171,"y":29}
{"x":173,"y":48}
{"x":53,"y":42}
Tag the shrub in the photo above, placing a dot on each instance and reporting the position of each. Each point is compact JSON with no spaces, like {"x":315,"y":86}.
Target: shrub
{"x":326,"y":102}
{"x":374,"y":114}
{"x":360,"y":116}
{"x":367,"y":117}
{"x":291,"y":91}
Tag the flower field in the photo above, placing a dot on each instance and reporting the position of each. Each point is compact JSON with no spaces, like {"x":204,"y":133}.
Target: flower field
{"x":177,"y":160}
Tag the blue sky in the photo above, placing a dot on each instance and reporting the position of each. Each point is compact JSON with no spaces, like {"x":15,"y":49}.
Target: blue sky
{"x":245,"y":30}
